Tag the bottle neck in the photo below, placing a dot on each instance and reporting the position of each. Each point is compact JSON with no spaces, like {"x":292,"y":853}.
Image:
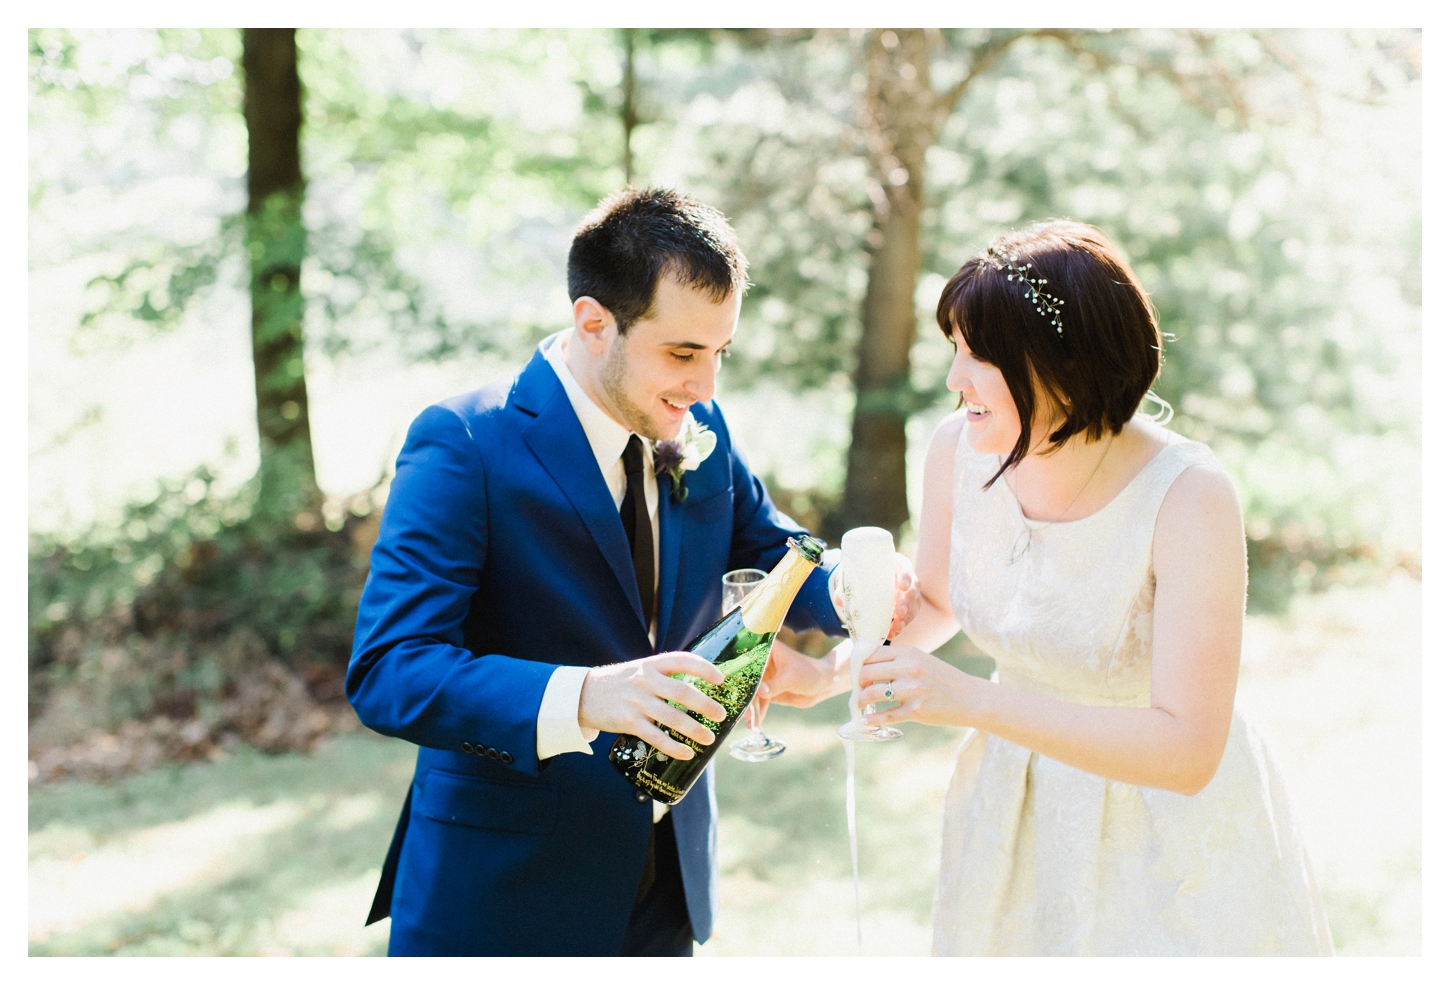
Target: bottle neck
{"x":764,"y":609}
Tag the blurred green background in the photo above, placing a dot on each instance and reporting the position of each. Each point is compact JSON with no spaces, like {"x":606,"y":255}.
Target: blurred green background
{"x":255,"y":256}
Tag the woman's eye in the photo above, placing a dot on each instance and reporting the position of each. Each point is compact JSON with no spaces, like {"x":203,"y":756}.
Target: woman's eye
{"x":683,"y":357}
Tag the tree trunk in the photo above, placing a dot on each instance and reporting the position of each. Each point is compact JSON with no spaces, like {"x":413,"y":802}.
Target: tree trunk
{"x":276,"y":242}
{"x":628,"y":116}
{"x":901,"y":121}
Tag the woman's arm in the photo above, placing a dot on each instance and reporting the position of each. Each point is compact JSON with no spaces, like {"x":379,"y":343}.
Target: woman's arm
{"x":800,"y":681}
{"x":1176,"y":743}
{"x":935,"y":624}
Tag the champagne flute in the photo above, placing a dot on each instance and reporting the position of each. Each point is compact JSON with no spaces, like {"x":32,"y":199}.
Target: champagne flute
{"x":756,"y":747}
{"x":868,"y":560}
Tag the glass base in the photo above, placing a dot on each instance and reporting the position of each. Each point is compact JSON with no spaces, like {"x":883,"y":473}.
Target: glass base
{"x":858,"y":732}
{"x":756,"y":748}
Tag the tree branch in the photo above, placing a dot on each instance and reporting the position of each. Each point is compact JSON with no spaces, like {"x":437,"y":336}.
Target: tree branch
{"x":982,"y":60}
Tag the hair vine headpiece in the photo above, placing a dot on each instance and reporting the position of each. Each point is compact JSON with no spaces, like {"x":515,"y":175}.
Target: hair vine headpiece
{"x":1047,"y":306}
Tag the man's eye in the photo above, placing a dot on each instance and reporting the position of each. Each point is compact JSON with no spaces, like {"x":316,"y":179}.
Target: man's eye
{"x":683,"y":357}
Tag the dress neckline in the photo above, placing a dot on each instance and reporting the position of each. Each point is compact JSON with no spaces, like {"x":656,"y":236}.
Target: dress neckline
{"x":1044,"y":524}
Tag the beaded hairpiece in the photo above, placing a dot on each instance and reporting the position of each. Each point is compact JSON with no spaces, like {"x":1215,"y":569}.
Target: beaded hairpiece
{"x":1047,"y":306}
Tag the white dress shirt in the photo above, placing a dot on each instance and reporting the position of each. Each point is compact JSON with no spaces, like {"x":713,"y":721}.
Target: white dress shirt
{"x":558,"y":729}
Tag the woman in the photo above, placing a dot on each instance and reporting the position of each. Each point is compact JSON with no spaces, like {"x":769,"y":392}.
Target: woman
{"x":1108,"y":798}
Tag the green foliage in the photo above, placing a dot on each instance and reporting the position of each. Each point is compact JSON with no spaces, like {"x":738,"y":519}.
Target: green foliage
{"x":157,"y":288}
{"x":1200,"y":155}
{"x":124,"y":122}
{"x":165,"y":611}
{"x":446,"y":169}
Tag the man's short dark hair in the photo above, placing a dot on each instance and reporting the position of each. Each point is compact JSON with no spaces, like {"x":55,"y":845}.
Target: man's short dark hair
{"x":634,"y":235}
{"x":1108,"y":352}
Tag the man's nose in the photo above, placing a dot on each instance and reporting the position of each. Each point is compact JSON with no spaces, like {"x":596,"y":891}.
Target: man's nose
{"x":701,"y":385}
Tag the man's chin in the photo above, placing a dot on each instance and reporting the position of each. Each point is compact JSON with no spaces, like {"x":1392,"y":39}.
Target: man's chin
{"x":661,"y":432}
{"x":667,"y":424}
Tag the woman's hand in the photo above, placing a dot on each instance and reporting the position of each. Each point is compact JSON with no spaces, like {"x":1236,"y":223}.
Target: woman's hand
{"x":908,"y":595}
{"x":931,"y":691}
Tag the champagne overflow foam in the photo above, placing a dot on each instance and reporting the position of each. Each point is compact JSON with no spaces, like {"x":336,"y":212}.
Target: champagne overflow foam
{"x":851,"y":833}
{"x":869,"y":584}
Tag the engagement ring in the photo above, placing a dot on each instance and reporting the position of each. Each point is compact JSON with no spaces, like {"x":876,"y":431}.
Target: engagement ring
{"x":889,"y":692}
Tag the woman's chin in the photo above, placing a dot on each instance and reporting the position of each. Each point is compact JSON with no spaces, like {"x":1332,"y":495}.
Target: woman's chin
{"x":982,"y":438}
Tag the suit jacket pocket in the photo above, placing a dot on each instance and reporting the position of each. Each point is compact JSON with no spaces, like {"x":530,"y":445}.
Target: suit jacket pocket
{"x":713,"y":509}
{"x":501,"y":805}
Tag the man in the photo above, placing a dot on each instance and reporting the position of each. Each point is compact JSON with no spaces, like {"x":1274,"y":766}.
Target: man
{"x":528,"y":565}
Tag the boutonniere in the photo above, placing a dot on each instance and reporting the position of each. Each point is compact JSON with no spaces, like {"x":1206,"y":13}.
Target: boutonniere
{"x":684,"y":454}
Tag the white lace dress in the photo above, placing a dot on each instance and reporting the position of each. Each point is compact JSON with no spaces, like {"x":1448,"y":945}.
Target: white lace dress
{"x":1039,"y":858}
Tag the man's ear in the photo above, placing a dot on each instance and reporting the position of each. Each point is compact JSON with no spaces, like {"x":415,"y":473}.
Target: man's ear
{"x":593,"y":324}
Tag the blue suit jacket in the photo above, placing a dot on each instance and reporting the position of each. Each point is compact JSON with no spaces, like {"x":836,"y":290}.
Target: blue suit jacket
{"x":500,"y":556}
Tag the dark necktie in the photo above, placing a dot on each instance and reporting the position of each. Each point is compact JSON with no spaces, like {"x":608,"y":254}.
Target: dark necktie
{"x":635,"y":514}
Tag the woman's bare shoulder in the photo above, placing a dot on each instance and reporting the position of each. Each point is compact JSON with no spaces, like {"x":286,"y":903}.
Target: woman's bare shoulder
{"x":1200,"y":512}
{"x":947,"y":434}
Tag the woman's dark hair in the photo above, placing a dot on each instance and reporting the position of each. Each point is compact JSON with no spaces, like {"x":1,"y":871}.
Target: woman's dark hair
{"x":634,"y":235}
{"x":1099,"y":359}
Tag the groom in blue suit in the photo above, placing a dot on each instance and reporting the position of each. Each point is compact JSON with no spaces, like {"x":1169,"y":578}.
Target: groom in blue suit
{"x":531,"y":581}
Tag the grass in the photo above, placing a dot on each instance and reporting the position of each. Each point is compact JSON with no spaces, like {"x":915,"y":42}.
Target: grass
{"x":279,"y":855}
{"x":253,"y":855}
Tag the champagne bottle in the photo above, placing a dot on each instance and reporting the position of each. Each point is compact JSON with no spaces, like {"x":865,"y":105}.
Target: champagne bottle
{"x":739,"y":645}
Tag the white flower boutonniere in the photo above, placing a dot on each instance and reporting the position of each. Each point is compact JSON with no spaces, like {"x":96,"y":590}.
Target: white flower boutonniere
{"x":684,"y":454}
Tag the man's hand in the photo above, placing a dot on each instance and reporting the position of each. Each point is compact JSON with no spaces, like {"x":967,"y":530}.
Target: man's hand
{"x":908,"y":596}
{"x":632,"y":698}
{"x":799,"y":681}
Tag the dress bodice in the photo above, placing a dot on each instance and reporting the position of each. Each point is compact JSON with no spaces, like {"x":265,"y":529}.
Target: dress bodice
{"x":1072,"y":617}
{"x":1042,"y":858}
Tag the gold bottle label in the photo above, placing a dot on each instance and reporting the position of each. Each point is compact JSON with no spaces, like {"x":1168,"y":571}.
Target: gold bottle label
{"x":764,"y":609}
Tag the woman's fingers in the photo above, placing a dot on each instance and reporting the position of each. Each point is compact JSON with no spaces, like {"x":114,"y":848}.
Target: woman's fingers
{"x":880,"y":655}
{"x":908,"y":596}
{"x":884,"y":670}
{"x":891,"y":716}
{"x":877,"y":692}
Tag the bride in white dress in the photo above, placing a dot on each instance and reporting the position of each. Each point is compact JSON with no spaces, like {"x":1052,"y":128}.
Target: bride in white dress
{"x":1108,"y":798}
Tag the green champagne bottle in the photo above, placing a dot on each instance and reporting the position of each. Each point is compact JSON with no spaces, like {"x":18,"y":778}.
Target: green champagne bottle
{"x":739,"y":644}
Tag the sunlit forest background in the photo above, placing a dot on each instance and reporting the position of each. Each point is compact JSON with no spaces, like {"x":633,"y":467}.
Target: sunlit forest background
{"x":255,"y":255}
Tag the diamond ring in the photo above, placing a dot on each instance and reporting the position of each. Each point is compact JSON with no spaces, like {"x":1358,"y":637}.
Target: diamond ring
{"x":889,"y":693}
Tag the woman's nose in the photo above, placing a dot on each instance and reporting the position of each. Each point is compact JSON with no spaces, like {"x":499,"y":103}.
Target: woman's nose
{"x":957,"y":377}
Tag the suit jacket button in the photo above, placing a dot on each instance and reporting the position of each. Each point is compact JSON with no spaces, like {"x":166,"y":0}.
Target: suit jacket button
{"x":641,"y":796}
{"x":505,"y":758}
{"x":468,"y":747}
{"x":491,"y":752}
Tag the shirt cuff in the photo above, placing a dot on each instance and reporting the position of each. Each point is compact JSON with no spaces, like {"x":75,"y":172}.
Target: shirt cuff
{"x":558,"y":725}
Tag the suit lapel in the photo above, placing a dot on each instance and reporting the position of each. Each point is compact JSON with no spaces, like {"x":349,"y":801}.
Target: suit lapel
{"x":557,"y":440}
